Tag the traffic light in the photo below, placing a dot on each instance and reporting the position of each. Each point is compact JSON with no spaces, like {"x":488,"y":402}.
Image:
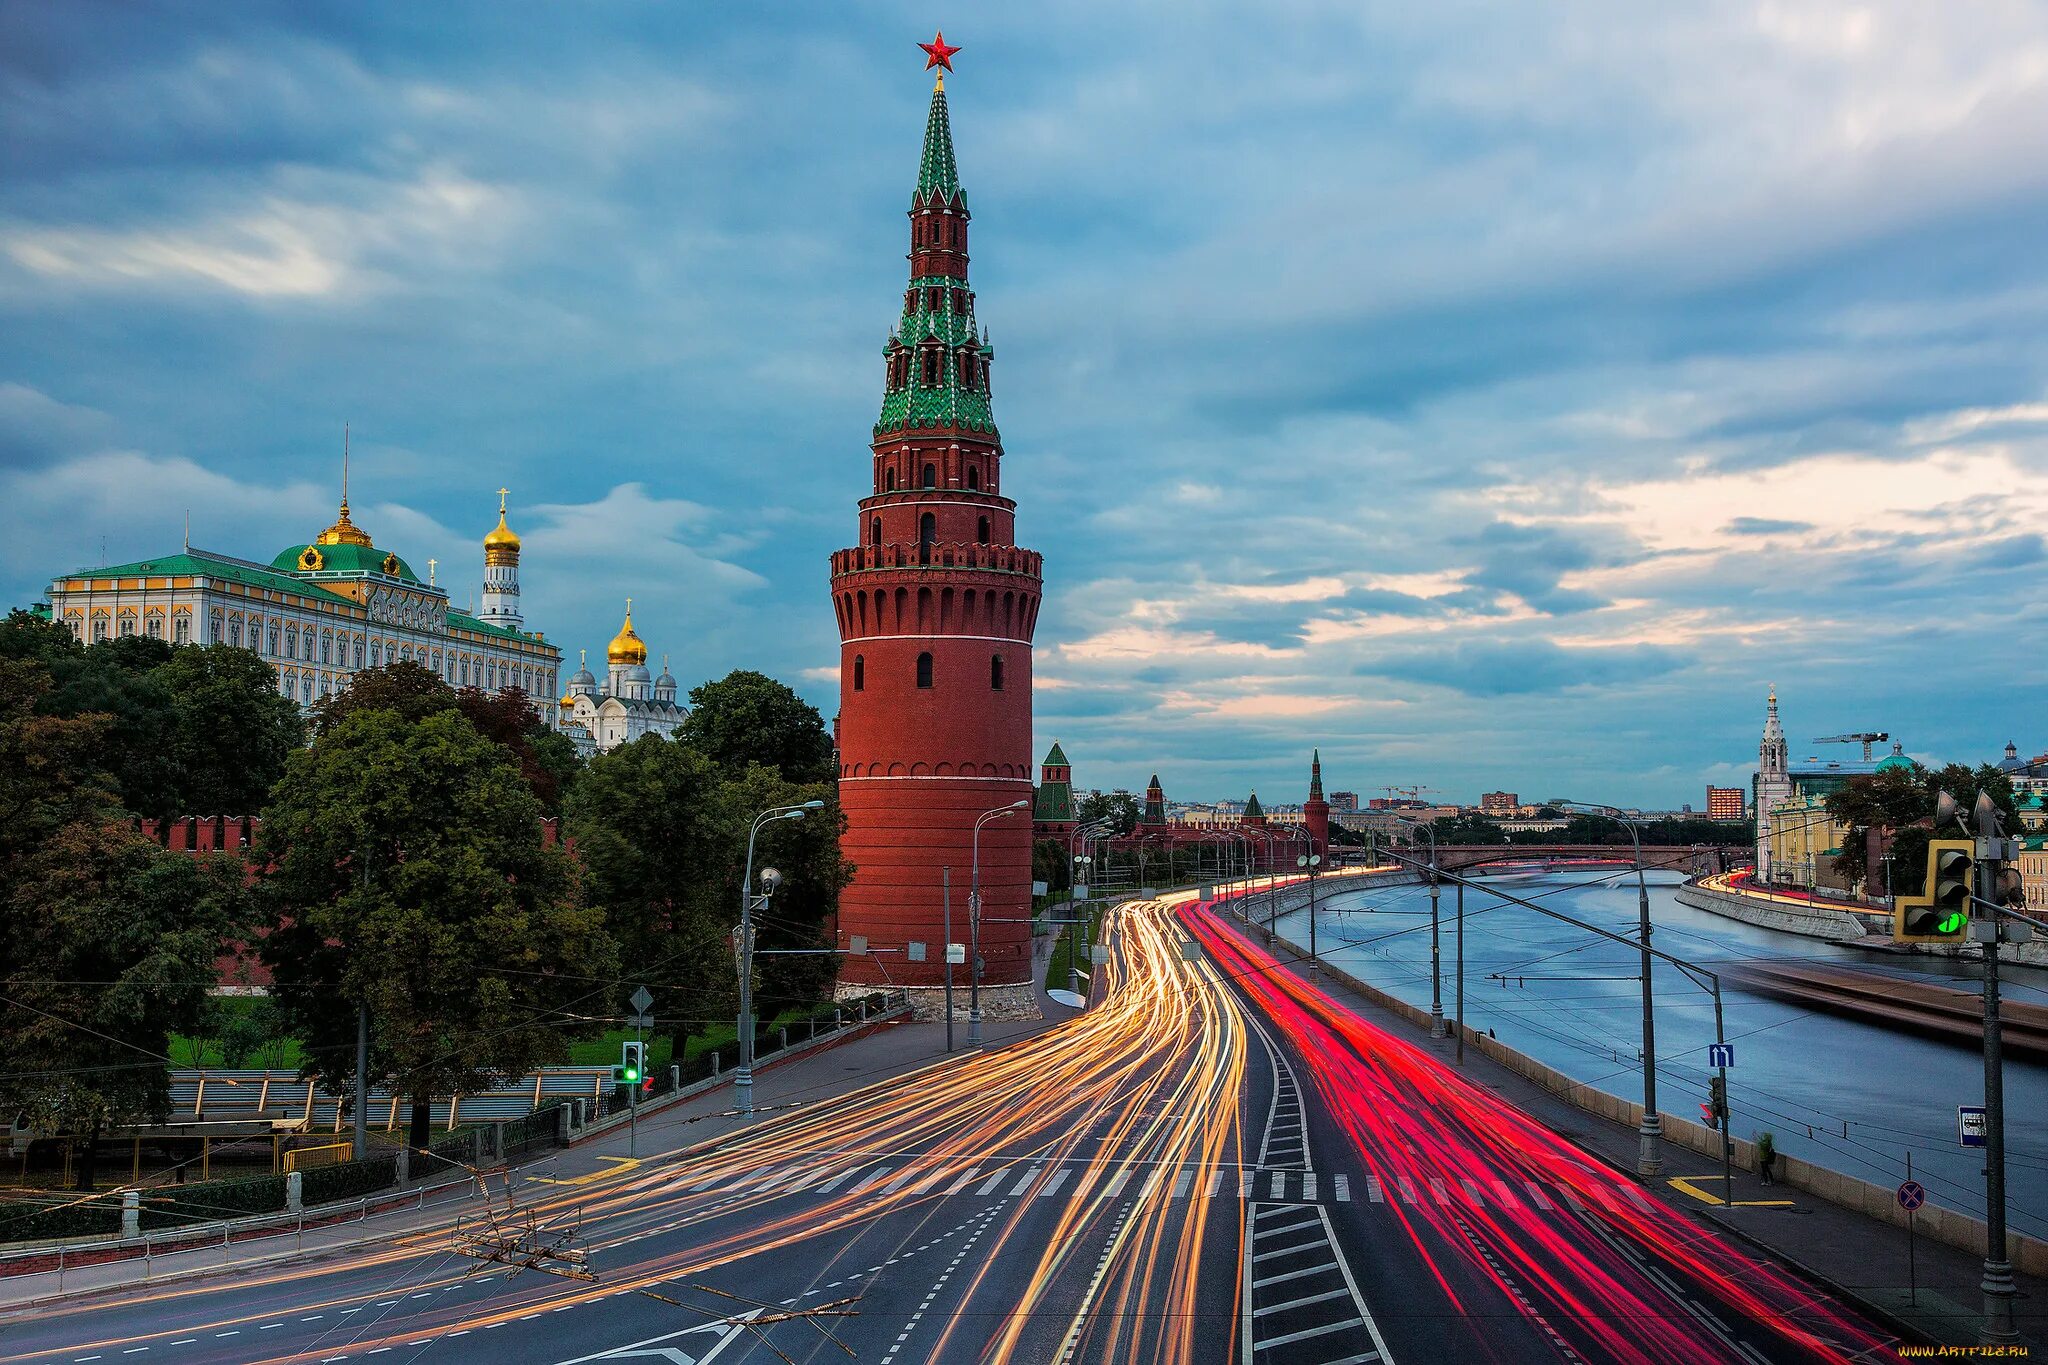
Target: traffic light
{"x":1717,"y":1099}
{"x":1941,"y":913}
{"x":632,"y":1062}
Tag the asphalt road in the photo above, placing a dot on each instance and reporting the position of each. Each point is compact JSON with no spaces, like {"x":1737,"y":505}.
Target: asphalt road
{"x":1202,"y":1168}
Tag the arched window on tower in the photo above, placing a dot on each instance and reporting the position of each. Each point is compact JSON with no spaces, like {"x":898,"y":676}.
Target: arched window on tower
{"x":973,"y":478}
{"x":931,"y":476}
{"x":924,"y":670}
{"x":981,"y":531}
{"x":875,"y":531}
{"x":927,"y":533}
{"x":860,"y":673}
{"x":931,"y":366}
{"x":995,"y":672}
{"x":890,"y":481}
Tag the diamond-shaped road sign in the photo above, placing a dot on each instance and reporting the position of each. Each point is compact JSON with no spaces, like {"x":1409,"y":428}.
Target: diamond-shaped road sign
{"x":640,"y":999}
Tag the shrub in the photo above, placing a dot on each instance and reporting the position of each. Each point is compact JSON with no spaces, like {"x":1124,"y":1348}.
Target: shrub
{"x":348,"y":1180}
{"x":36,"y":1220}
{"x":173,"y":1206}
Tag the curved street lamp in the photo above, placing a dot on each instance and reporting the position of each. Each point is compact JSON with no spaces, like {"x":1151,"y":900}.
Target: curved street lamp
{"x":1436,"y":954}
{"x":1650,"y":1136}
{"x":974,"y":922}
{"x":743,"y":1077}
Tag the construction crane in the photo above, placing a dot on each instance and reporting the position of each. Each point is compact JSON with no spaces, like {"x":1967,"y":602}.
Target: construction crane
{"x":1864,"y":737}
{"x":1412,"y":793}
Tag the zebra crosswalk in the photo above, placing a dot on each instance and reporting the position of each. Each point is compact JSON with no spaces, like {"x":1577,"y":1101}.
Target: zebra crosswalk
{"x":909,"y":1178}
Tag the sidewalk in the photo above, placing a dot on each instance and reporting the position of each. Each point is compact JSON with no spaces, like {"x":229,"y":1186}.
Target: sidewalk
{"x":891,"y":1050}
{"x":1841,"y":1250}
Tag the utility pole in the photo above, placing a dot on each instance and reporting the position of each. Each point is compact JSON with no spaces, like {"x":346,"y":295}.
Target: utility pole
{"x":361,"y":1148}
{"x":1998,"y":1286}
{"x":946,"y":892}
{"x":1461,"y":973}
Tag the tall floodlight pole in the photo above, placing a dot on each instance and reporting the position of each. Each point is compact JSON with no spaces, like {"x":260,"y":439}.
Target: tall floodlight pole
{"x":1436,"y":952}
{"x":743,"y":1075}
{"x":1997,"y":1285}
{"x":974,"y":922}
{"x":1650,"y":1136}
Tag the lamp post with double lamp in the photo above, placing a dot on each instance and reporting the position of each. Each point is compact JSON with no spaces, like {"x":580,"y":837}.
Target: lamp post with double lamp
{"x":1436,"y":953}
{"x":1650,"y":1137}
{"x":1309,"y":862}
{"x":974,"y":922}
{"x":1074,"y":914}
{"x":743,"y":1077}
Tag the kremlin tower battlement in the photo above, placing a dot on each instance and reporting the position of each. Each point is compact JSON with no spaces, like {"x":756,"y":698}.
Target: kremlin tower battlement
{"x":936,"y":606}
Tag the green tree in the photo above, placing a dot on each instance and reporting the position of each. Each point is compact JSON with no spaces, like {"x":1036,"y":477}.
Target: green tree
{"x":661,"y":831}
{"x":1468,"y":827}
{"x":1119,"y":808}
{"x":746,"y":718}
{"x":107,"y":943}
{"x":230,"y":732}
{"x":546,"y":759}
{"x":652,"y":832}
{"x":406,"y":872}
{"x":1899,"y":803}
{"x":797,"y":929}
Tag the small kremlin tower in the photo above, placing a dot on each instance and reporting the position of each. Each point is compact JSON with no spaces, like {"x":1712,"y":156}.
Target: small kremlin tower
{"x":936,"y":607}
{"x":1315,"y":812}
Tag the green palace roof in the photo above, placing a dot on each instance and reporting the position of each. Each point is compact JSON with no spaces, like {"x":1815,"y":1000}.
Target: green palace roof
{"x":199,"y":562}
{"x":1056,"y":757}
{"x":345,"y":559}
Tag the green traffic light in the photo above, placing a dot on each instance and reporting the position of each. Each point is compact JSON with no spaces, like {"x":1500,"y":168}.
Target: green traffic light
{"x":1952,"y":923}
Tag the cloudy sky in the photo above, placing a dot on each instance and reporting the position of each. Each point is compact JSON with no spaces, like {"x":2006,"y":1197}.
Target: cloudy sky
{"x":1495,"y":395}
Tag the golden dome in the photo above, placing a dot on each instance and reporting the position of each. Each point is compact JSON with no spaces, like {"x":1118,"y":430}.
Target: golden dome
{"x":344,"y":531}
{"x":502,"y":543}
{"x":626,"y":647}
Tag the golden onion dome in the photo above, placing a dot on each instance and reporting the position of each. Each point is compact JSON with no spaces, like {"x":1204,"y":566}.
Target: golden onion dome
{"x":503,"y":536}
{"x":626,"y":647}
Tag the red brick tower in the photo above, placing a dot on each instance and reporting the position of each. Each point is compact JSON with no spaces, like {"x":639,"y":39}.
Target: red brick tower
{"x":1315,"y":812}
{"x":936,"y":609}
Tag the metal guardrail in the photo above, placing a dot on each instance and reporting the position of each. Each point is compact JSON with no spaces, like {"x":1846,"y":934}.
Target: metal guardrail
{"x":76,"y":1255}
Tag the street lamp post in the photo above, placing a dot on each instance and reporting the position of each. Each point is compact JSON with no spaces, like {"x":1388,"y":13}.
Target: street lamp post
{"x":1309,"y":862}
{"x":743,"y":1075}
{"x":974,"y":923}
{"x":1074,"y":862}
{"x":1436,"y":954}
{"x":1650,"y":1137}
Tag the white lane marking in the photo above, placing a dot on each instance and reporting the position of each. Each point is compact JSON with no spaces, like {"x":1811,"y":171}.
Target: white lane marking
{"x":1436,"y":1190}
{"x":880,"y":1173}
{"x":1181,"y":1185}
{"x":1024,"y":1181}
{"x":1301,"y":1302}
{"x":1050,"y":1187}
{"x":1215,"y":1184}
{"x":1117,"y":1183}
{"x":833,"y":1183}
{"x":1308,"y":1185}
{"x":1343,"y":1184}
{"x":962,"y":1182}
{"x":988,"y":1186}
{"x":1279,"y":1189}
{"x":1293,"y":1275}
{"x":1536,"y":1195}
{"x":1478,"y":1199}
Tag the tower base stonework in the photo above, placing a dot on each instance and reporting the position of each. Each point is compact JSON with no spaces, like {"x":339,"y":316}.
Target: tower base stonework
{"x":928,"y":1003}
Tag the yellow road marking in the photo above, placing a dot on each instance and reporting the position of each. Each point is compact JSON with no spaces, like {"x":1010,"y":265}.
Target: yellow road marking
{"x":1684,"y":1184}
{"x":623,"y":1165}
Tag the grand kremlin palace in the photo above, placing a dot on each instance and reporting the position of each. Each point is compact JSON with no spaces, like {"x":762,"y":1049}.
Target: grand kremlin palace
{"x":320,"y":611}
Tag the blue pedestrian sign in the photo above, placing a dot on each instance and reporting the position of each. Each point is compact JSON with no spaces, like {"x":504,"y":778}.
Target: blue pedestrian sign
{"x":1720,"y":1054}
{"x":1970,"y":1125}
{"x":1912,"y":1195}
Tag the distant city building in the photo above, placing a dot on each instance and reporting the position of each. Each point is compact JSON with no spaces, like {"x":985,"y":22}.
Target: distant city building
{"x":1499,"y":803}
{"x":1343,"y":801}
{"x":1052,"y":804}
{"x":630,"y":704}
{"x":319,"y":612}
{"x":1725,"y":803}
{"x":1531,"y":825}
{"x":1796,"y":840}
{"x":1805,"y":841}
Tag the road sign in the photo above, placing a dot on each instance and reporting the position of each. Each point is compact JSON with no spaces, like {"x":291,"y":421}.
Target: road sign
{"x":640,"y":1020}
{"x":956,"y":952}
{"x":1080,"y":891}
{"x":857,"y":945}
{"x":639,"y":1000}
{"x":916,"y":953}
{"x":1970,"y":1125}
{"x":1912,"y":1195}
{"x":1038,"y":888}
{"x":1720,"y":1054}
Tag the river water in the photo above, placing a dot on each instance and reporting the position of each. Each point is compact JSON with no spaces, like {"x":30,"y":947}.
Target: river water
{"x":1834,"y":1091}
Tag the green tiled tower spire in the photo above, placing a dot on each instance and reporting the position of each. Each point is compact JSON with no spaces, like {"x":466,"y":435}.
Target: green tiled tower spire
{"x":936,"y":169}
{"x":938,"y":360}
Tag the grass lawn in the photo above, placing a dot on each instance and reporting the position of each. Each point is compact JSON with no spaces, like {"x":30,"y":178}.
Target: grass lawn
{"x":1063,"y":951}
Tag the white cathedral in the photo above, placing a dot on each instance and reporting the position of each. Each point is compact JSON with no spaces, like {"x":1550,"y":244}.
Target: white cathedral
{"x":631,"y":704}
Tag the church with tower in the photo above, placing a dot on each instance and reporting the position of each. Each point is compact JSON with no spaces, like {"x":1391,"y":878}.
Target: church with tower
{"x":936,"y":604}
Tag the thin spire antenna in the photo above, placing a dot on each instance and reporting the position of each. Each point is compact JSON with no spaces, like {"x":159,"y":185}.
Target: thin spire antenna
{"x":188,"y":528}
{"x":344,"y":464}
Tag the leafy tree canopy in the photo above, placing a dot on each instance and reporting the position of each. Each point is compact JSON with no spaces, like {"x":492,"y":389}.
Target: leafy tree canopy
{"x":1899,"y":803}
{"x":408,"y":872}
{"x":747,"y":718}
{"x":1121,"y":809}
{"x":546,"y":759}
{"x":107,"y":943}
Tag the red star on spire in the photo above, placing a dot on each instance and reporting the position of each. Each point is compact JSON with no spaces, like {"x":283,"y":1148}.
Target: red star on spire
{"x":937,"y":53}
